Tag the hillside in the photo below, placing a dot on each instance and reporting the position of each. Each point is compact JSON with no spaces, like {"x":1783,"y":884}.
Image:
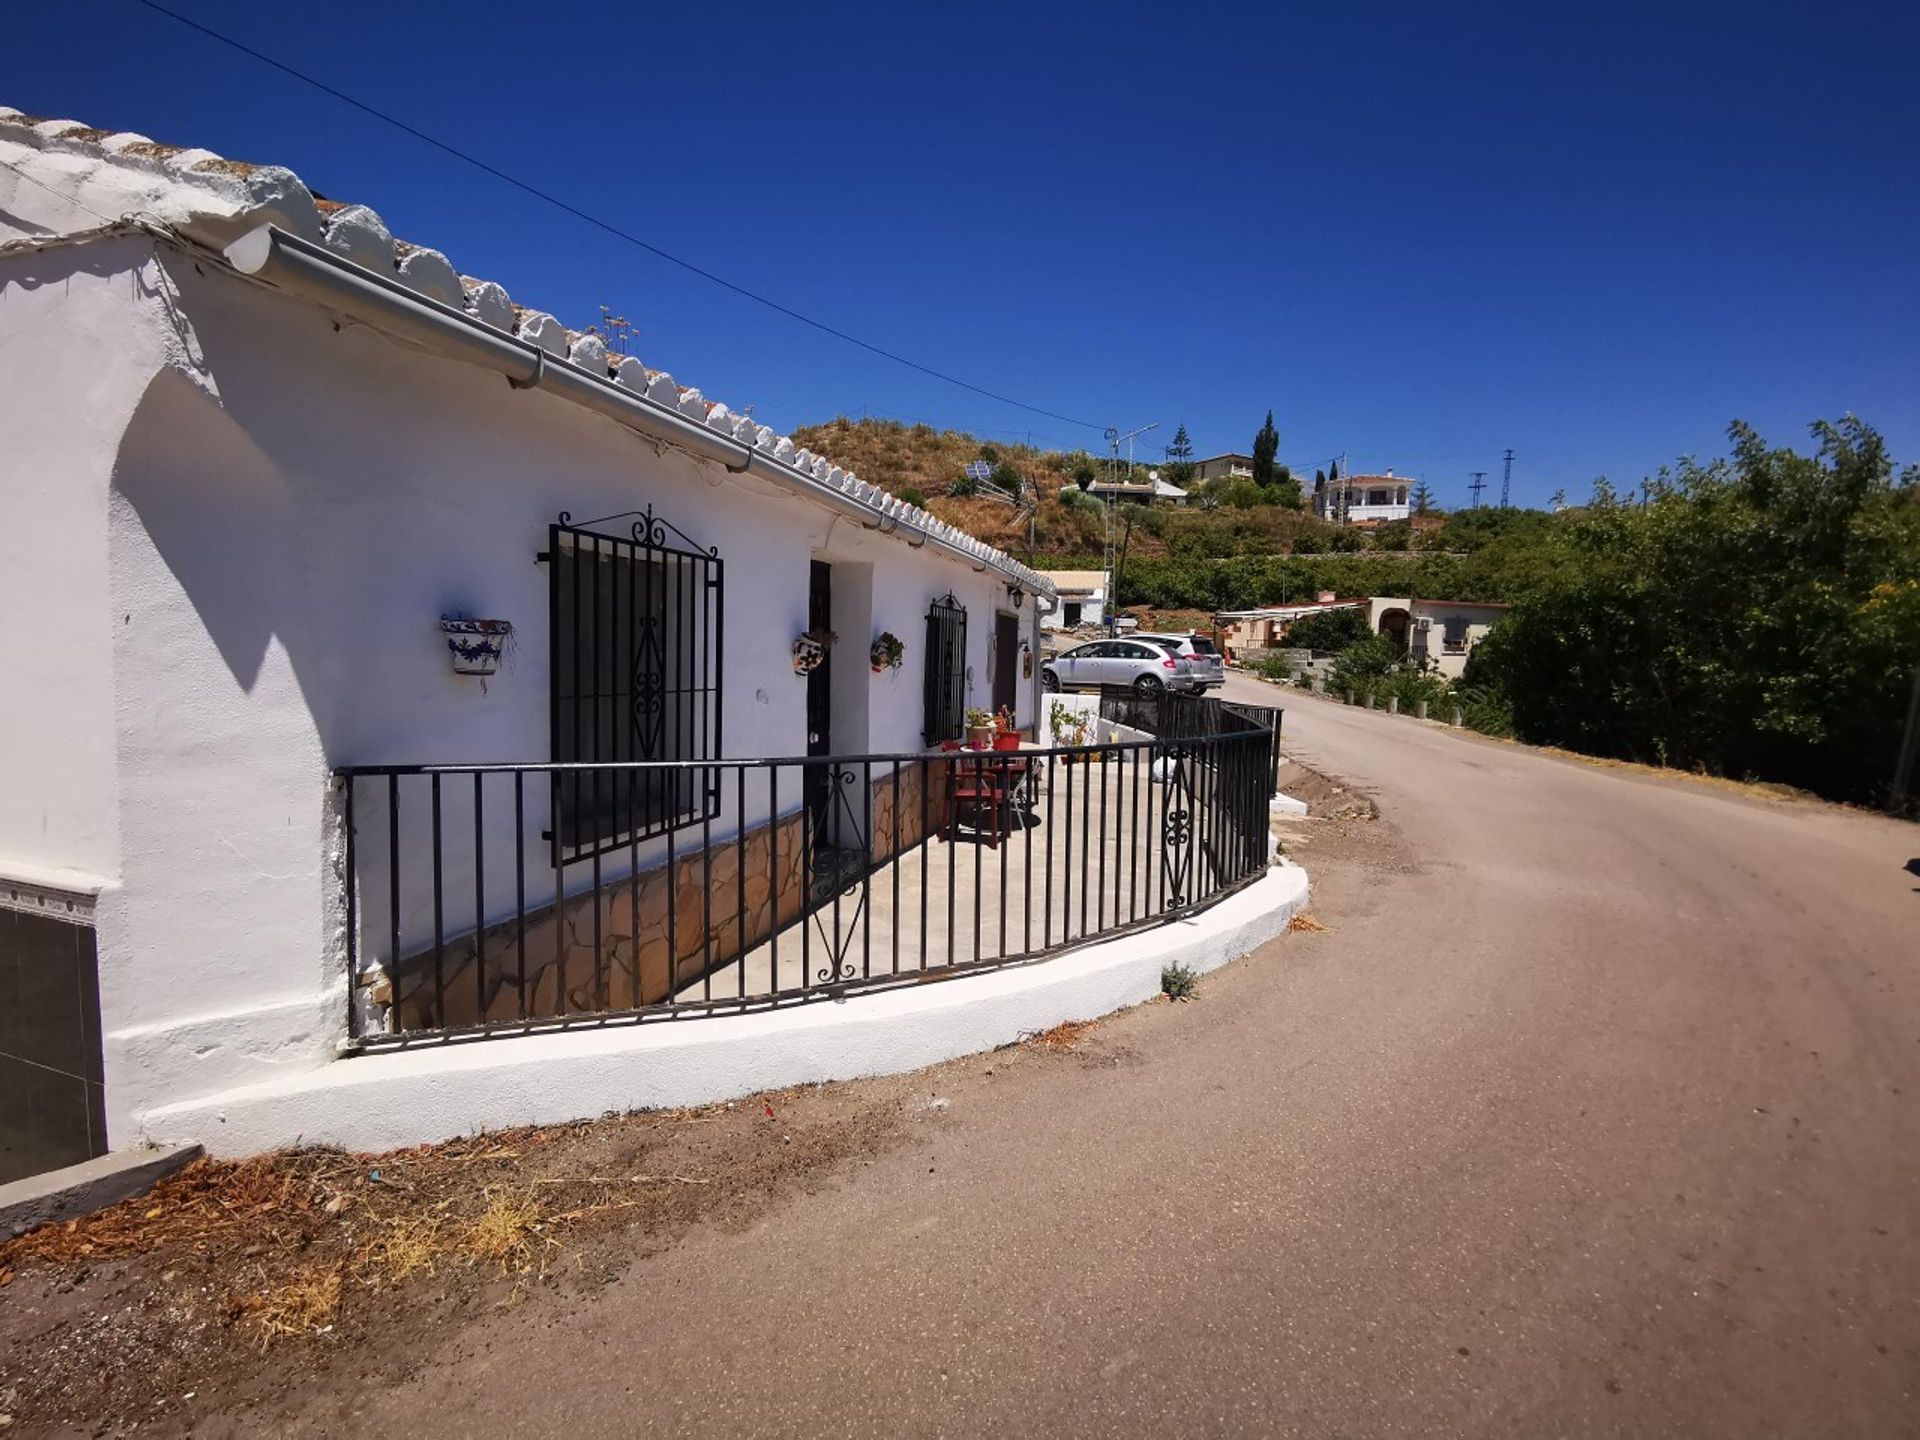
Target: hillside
{"x":926,"y":465}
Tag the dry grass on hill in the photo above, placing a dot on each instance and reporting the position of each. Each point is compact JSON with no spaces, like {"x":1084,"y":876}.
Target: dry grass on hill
{"x":922,"y":464}
{"x":917,"y":458}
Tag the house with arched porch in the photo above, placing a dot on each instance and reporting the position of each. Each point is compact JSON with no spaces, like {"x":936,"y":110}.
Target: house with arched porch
{"x":1441,"y":633}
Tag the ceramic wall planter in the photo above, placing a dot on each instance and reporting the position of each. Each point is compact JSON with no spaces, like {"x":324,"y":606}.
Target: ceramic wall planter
{"x":475,"y":645}
{"x":810,"y":650}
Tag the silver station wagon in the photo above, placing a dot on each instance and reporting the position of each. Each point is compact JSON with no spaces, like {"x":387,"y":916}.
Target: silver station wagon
{"x":1142,"y":664}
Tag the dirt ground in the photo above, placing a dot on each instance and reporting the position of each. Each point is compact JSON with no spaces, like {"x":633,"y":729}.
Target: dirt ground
{"x":232,"y":1283}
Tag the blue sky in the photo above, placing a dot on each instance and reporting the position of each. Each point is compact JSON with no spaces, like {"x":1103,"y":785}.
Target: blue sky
{"x":1420,"y":234}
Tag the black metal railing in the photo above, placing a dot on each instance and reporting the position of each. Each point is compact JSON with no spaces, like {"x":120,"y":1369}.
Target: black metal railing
{"x":461,"y":921}
{"x":1174,"y":715}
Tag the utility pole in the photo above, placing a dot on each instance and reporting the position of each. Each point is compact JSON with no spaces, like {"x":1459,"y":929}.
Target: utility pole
{"x":1114,"y":437}
{"x":1479,"y":484}
{"x":1506,"y":482}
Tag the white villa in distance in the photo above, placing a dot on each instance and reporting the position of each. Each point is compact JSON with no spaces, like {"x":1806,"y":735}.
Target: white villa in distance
{"x":1369,"y":499}
{"x":326,"y":561}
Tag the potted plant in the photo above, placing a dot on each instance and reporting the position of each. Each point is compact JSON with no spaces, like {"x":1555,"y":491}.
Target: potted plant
{"x":475,"y":645}
{"x":887,"y":652}
{"x":979,"y":729}
{"x":1069,"y":726}
{"x":810,"y":650}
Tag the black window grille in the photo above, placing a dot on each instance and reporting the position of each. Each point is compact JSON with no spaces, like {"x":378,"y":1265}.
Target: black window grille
{"x":635,"y":642}
{"x":946,"y":677}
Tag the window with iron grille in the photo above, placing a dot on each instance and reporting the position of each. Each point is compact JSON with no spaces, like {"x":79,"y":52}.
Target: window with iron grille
{"x":946,"y":675}
{"x":635,"y":665}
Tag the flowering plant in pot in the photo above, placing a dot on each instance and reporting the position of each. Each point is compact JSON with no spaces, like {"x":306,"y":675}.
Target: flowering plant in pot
{"x":887,"y":652}
{"x":979,"y":728}
{"x":475,"y":645}
{"x":1069,"y":726}
{"x":810,"y":650}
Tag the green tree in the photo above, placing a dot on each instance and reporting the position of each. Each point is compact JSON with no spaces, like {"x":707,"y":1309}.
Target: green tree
{"x":1179,"y":468}
{"x":1394,"y":535}
{"x":1422,"y":498}
{"x":1266,"y":445}
{"x":1757,"y":616}
{"x":1285,"y":489}
{"x":1328,"y":630}
{"x":1359,"y":665}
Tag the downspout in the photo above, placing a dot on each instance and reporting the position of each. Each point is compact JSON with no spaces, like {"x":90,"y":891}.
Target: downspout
{"x":301,"y":267}
{"x":1042,"y":604}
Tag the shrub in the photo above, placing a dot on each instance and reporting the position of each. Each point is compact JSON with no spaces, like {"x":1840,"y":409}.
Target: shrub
{"x":1365,"y":664}
{"x":914,"y":497}
{"x":1272,"y":666}
{"x":1485,"y":710}
{"x":1178,"y":982}
{"x":1331,"y":630}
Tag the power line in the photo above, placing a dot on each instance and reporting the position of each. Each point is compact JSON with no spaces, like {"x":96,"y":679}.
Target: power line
{"x":600,"y":224}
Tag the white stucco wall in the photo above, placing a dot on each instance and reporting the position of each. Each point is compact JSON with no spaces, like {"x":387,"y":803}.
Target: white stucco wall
{"x":67,"y":396}
{"x":236,"y":527}
{"x":1092,"y":612}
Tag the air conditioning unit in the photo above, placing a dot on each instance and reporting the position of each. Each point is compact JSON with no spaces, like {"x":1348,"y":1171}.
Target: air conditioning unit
{"x":1423,"y":626}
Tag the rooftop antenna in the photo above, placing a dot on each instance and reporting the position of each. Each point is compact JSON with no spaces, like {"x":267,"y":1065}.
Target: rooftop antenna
{"x":1479,"y":484}
{"x":1506,"y":480}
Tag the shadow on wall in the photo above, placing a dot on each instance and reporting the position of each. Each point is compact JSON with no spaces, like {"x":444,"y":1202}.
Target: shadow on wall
{"x":220,"y":517}
{"x":336,"y":494}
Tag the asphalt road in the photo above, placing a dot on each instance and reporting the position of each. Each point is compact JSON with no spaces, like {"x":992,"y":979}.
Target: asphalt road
{"x":1596,"y":1111}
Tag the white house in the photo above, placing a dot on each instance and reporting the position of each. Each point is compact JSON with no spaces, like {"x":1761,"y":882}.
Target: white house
{"x":256,"y":449}
{"x":1266,"y":628}
{"x":1441,"y":633}
{"x":1144,"y":492}
{"x":1082,"y":599}
{"x":1363,"y":500}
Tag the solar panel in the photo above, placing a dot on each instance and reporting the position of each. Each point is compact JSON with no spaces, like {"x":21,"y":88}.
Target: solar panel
{"x":979,"y":470}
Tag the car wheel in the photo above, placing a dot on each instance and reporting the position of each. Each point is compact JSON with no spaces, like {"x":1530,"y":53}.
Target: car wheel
{"x":1049,"y":681}
{"x":1149,"y":685}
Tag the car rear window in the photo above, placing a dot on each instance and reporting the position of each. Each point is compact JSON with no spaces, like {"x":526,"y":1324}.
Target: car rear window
{"x":1202,"y":645}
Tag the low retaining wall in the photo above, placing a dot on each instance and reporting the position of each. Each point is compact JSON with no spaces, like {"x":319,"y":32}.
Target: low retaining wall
{"x":396,"y":1098}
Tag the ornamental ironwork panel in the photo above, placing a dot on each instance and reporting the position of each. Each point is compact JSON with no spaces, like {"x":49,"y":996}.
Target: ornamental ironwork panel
{"x":1176,"y":828}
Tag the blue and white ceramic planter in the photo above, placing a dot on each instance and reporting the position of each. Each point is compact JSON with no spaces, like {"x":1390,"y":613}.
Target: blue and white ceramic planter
{"x":475,"y":644}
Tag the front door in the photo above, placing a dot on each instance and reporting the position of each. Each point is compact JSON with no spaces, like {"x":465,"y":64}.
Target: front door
{"x":820,"y":697}
{"x":1006,"y":660}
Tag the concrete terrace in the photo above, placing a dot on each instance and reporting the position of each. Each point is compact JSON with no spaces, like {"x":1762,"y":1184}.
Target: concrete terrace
{"x":1088,"y":857}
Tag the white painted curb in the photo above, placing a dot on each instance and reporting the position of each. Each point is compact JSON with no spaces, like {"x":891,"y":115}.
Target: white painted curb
{"x":397,"y":1098}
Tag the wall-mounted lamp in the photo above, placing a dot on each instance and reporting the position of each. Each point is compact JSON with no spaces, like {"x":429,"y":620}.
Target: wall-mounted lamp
{"x":1014,"y":595}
